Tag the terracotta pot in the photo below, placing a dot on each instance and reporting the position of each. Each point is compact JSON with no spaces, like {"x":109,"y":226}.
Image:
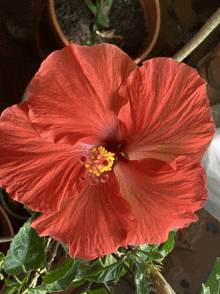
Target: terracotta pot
{"x":6,"y":231}
{"x":209,"y":71}
{"x":152,"y":16}
{"x":49,"y":36}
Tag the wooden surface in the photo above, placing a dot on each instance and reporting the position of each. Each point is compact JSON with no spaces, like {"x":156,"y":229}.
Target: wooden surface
{"x":195,"y":252}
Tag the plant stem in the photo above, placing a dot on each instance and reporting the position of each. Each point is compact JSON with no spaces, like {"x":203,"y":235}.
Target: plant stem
{"x":208,"y":27}
{"x":16,"y":278}
{"x":48,"y":242}
{"x":139,"y":258}
{"x":107,"y":288}
{"x":125,"y":266}
{"x":95,"y":25}
{"x":6,"y":239}
{"x":90,"y":285}
{"x":33,"y":282}
{"x":52,"y":255}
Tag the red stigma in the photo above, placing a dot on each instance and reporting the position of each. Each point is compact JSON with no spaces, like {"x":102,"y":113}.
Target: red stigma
{"x":105,"y":162}
{"x":94,"y":182}
{"x":83,"y":159}
{"x":104,"y":178}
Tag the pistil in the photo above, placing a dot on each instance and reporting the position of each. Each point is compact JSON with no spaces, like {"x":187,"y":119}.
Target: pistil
{"x":97,"y":163}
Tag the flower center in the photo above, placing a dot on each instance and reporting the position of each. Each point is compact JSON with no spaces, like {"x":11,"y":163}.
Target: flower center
{"x":97,"y":162}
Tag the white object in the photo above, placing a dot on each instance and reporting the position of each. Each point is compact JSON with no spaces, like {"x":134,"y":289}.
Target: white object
{"x":211,"y":162}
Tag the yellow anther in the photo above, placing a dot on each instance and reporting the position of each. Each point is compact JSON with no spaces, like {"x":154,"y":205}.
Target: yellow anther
{"x":98,"y":161}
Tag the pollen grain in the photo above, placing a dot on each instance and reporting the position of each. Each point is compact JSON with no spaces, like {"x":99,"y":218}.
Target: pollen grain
{"x":97,"y":162}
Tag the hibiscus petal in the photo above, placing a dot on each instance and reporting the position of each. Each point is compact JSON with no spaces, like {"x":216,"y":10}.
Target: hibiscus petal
{"x":93,"y":224}
{"x":162,"y":200}
{"x":167,"y":114}
{"x":36,"y":172}
{"x":75,"y":91}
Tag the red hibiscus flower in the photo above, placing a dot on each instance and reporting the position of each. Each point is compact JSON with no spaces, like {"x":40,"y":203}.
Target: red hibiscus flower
{"x":109,"y":152}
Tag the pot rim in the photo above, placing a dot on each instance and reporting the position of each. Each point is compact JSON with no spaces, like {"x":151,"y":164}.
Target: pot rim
{"x":5,"y":216}
{"x":152,"y":17}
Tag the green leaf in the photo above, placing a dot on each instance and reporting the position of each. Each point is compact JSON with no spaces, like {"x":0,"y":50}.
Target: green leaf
{"x":1,"y":257}
{"x":63,"y":276}
{"x":97,"y":291}
{"x":205,"y":290}
{"x":18,"y":284}
{"x":85,"y":291}
{"x":149,"y":252}
{"x":11,"y":290}
{"x":121,"y":250}
{"x":65,"y":247}
{"x":59,"y":272}
{"x":169,"y":244}
{"x":144,"y":250}
{"x":29,"y":210}
{"x":77,"y":283}
{"x":130,"y":261}
{"x":142,"y":281}
{"x":109,"y":274}
{"x":103,"y":17}
{"x":149,"y":247}
{"x":1,"y":261}
{"x":156,"y":256}
{"x":80,"y":276}
{"x":107,"y":260}
{"x":91,"y":6}
{"x":38,"y":290}
{"x":154,"y":247}
{"x":92,"y":269}
{"x":27,"y":251}
{"x":213,"y":281}
{"x":10,"y":283}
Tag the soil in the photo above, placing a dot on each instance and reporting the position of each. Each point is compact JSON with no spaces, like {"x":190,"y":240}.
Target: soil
{"x":127,"y":28}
